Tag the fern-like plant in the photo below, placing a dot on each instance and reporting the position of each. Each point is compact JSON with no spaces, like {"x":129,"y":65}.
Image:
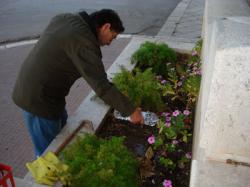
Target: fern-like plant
{"x":191,"y":86}
{"x":159,"y":57}
{"x":141,"y":87}
{"x":95,"y":162}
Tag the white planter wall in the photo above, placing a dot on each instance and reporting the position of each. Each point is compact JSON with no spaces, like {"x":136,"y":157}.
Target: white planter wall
{"x":222,"y":124}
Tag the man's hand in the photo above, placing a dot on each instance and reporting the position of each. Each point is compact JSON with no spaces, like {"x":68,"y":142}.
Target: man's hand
{"x":136,"y":117}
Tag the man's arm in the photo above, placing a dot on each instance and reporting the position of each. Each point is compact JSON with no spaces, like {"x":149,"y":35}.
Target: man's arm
{"x":88,"y":62}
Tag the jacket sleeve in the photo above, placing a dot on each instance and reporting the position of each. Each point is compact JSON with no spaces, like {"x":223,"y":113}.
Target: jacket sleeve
{"x":87,"y":60}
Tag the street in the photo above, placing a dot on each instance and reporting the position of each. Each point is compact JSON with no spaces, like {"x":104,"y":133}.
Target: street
{"x":23,"y":19}
{"x":27,"y":18}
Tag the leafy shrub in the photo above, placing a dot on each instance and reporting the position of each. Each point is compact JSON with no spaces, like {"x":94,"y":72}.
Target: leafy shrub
{"x":95,"y":162}
{"x":141,"y":87}
{"x":191,"y":82}
{"x":159,"y":57}
{"x":192,"y":86}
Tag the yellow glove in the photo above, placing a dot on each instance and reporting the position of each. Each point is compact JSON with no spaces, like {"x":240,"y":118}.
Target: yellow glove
{"x":48,"y":169}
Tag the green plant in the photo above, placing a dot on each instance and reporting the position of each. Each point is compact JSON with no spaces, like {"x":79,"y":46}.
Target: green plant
{"x":159,"y":57}
{"x":97,"y":162}
{"x":191,"y":87}
{"x":173,"y":130}
{"x":180,"y":89}
{"x":168,"y":163}
{"x":141,"y":87}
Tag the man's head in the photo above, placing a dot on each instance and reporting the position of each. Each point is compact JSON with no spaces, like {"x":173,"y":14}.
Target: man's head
{"x":108,"y":25}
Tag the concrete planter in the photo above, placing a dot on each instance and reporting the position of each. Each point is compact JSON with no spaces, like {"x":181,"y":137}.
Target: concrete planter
{"x":94,"y":109}
{"x":222,"y":117}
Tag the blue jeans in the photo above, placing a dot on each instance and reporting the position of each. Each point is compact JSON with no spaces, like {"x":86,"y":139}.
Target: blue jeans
{"x":42,"y":130}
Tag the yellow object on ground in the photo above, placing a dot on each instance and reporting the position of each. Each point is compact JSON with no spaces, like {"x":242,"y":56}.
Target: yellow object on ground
{"x":48,"y":170}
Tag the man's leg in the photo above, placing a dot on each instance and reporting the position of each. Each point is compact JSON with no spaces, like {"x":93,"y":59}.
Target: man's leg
{"x":42,"y":130}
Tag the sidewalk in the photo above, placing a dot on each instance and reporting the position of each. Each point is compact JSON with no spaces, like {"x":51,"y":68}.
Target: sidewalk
{"x":15,"y":148}
{"x":185,"y":21}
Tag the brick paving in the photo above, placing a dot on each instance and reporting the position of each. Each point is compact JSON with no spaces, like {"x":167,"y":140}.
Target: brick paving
{"x":15,"y":144}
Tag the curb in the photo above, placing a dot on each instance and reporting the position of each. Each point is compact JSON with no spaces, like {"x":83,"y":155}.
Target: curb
{"x":170,"y":25}
{"x":28,"y":41}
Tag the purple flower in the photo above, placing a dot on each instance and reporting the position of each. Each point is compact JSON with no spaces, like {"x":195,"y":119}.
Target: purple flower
{"x":175,"y":142}
{"x":188,"y":155}
{"x":186,"y":112}
{"x":195,"y":68}
{"x":168,"y":124}
{"x":168,"y":119}
{"x":194,"y":53}
{"x":167,"y":183}
{"x":165,"y":114}
{"x":176,"y":113}
{"x":198,"y":72}
{"x":163,"y":82}
{"x":195,"y":64}
{"x":151,"y":139}
{"x":179,"y":83}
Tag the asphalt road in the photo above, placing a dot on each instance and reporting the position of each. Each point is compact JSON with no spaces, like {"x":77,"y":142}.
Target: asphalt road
{"x":27,"y":18}
{"x":21,"y":19}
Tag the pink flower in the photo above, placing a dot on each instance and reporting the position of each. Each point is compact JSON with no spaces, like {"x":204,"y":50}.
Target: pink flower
{"x":165,"y":114}
{"x":179,"y":83}
{"x":194,"y":53}
{"x":198,"y":72}
{"x":167,"y":183}
{"x":151,"y":139}
{"x":176,"y":113}
{"x":188,"y":155}
{"x":163,"y":82}
{"x":186,"y":112}
{"x":168,"y":124}
{"x":175,"y":142}
{"x":168,"y":119}
{"x":195,"y":68}
{"x":195,"y":64}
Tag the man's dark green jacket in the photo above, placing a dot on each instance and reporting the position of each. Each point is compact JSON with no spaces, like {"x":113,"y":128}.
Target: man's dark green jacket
{"x":67,"y":50}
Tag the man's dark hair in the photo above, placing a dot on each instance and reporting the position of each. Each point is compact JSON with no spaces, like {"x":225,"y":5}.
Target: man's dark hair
{"x":107,"y":16}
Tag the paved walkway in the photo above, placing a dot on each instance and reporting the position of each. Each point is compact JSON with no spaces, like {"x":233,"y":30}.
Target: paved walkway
{"x":185,"y":21}
{"x":15,"y":146}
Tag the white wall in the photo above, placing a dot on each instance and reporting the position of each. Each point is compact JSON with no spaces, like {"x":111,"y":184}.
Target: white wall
{"x":222,"y":124}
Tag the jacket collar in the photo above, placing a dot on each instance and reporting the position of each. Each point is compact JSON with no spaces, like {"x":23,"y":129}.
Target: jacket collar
{"x":88,"y":20}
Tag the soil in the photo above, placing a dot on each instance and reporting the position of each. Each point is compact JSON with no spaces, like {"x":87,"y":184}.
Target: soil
{"x":151,"y":172}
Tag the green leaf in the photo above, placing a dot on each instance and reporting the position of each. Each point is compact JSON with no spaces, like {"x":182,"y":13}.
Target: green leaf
{"x":170,"y":133}
{"x":168,"y":163}
{"x":185,"y":139}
